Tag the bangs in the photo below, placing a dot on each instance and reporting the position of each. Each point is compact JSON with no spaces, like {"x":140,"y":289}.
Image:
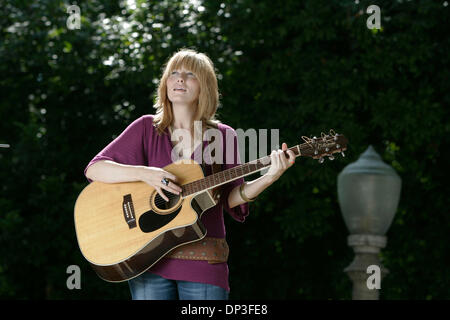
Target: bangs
{"x":187,"y":61}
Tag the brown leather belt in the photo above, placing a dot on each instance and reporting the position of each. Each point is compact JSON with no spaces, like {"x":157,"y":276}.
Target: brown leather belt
{"x":214,"y":250}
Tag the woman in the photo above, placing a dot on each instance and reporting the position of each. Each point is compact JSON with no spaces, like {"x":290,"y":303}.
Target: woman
{"x":187,"y":93}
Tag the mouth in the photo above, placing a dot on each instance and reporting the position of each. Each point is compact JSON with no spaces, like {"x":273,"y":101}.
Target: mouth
{"x":180,"y":89}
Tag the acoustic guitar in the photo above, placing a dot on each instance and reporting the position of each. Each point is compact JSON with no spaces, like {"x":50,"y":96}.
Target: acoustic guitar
{"x":123,"y":229}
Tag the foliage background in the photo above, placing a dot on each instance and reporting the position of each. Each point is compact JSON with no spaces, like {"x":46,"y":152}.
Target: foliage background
{"x":300,"y":66}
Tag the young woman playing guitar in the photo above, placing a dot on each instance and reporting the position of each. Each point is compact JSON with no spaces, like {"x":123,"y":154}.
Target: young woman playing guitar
{"x":187,"y":92}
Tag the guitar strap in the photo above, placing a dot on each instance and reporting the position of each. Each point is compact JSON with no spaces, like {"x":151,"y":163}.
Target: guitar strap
{"x":216,"y":191}
{"x":215,"y":167}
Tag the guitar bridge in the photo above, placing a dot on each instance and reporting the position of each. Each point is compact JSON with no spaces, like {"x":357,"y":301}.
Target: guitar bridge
{"x":128,"y":211}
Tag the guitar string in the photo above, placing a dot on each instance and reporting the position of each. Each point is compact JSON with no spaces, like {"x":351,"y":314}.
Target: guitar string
{"x":309,"y":142}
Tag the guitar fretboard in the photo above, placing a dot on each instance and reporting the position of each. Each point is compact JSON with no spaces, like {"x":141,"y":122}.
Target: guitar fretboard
{"x":232,"y":174}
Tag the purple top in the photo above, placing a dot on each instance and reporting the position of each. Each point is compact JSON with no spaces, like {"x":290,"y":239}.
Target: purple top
{"x":139,"y":144}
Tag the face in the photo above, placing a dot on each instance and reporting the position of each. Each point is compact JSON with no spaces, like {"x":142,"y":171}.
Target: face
{"x":183,"y":87}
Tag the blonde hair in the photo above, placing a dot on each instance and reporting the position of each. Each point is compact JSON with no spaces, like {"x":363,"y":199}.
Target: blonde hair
{"x":208,"y":100}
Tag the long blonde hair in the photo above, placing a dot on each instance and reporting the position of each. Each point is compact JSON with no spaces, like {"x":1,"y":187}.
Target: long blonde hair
{"x":208,"y":100}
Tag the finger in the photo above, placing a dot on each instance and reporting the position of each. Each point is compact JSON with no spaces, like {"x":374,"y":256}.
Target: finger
{"x":273,"y":163}
{"x":170,"y":189}
{"x":283,"y":160}
{"x":168,"y":175}
{"x":161,"y":193}
{"x":291,"y":157}
{"x":288,"y":152}
{"x":173,"y":186}
{"x":275,"y":159}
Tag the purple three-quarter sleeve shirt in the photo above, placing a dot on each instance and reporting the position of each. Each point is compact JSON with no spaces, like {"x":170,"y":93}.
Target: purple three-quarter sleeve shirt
{"x":139,"y":144}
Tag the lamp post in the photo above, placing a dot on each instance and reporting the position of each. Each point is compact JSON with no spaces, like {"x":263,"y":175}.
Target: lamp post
{"x":368,"y":192}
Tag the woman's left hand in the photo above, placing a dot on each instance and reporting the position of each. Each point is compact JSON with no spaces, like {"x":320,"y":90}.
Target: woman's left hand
{"x":279,"y":162}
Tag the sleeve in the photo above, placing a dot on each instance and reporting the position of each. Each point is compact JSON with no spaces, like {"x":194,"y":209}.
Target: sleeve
{"x":232,"y":159}
{"x":127,"y":148}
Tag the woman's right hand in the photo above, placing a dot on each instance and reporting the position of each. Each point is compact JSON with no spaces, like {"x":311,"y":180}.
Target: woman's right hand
{"x":153,"y":177}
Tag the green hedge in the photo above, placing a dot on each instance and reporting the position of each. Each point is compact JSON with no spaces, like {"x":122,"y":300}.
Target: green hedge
{"x":299,"y":66}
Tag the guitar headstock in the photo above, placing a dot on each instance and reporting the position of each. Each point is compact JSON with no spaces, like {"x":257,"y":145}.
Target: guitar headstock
{"x":325,"y":146}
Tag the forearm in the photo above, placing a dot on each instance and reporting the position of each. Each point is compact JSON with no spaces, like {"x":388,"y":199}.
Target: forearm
{"x":112,"y":172}
{"x":251,"y":189}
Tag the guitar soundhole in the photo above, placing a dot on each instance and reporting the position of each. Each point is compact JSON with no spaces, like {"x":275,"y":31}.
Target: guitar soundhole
{"x":162,"y":204}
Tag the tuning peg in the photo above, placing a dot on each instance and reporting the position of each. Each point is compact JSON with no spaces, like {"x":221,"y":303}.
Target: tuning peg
{"x":331,"y":157}
{"x":343,"y":154}
{"x":321,"y":160}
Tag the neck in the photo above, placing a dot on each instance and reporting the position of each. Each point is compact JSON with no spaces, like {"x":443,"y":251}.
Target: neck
{"x":183,"y":117}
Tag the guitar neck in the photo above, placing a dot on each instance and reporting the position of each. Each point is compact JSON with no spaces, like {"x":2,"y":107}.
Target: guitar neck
{"x":225,"y":176}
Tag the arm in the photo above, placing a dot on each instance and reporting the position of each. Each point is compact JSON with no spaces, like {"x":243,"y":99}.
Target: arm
{"x":279,"y":164}
{"x":251,"y":189}
{"x":112,"y":172}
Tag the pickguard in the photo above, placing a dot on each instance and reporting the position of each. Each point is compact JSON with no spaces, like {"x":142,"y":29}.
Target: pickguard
{"x":151,"y":221}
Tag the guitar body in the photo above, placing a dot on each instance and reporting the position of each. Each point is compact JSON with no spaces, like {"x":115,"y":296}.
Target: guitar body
{"x":123,"y":229}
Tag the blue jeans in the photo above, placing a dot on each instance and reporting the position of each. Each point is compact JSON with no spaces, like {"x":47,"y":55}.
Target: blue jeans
{"x":149,"y":286}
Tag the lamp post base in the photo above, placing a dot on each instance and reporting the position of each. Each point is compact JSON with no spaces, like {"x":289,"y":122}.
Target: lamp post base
{"x":367,"y":249}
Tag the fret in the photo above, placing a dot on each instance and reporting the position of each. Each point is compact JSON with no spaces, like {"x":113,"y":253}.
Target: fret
{"x":194,"y":186}
{"x":204,"y":187}
{"x":210,"y":181}
{"x":231,"y":174}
